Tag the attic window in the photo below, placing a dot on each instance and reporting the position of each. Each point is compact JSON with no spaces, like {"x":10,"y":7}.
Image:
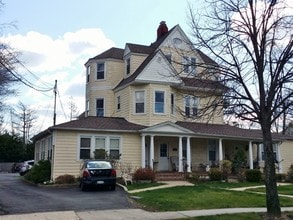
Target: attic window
{"x":189,"y":65}
{"x":128,"y":66}
{"x":177,"y":41}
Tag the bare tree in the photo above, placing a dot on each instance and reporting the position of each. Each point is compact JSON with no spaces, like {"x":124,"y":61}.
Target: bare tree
{"x":251,"y":42}
{"x":24,"y":120}
{"x":73,"y":109}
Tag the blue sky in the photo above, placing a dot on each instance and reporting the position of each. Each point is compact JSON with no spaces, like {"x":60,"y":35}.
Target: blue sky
{"x":56,"y":37}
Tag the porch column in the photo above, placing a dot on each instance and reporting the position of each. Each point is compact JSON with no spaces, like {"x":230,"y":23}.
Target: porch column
{"x":152,"y":152}
{"x":188,"y":154}
{"x":180,"y":169}
{"x":220,"y":150}
{"x":278,"y":151}
{"x":250,"y":156}
{"x":143,"y":151}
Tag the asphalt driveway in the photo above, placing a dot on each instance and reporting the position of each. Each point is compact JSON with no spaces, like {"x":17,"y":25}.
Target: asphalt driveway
{"x":18,"y":196}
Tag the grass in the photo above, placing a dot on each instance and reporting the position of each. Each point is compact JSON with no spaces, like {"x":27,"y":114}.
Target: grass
{"x":287,"y":190}
{"x":142,"y":185}
{"x":203,"y":196}
{"x":240,"y":216}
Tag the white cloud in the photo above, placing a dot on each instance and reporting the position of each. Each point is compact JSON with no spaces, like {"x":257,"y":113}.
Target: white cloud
{"x":60,"y":59}
{"x":41,"y":53}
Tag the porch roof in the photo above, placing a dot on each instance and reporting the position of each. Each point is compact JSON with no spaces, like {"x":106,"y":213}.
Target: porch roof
{"x":225,"y":131}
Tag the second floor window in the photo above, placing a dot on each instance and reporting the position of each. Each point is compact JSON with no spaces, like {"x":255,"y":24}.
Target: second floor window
{"x":172,"y":104}
{"x":191,"y":105}
{"x":100,"y":107}
{"x":139,"y":101}
{"x":88,"y":71}
{"x":100,"y":71}
{"x":159,"y":102}
{"x":128,"y":66}
{"x":189,"y":65}
{"x":118,"y":103}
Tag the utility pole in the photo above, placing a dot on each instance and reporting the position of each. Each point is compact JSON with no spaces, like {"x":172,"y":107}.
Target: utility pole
{"x":55,"y":95}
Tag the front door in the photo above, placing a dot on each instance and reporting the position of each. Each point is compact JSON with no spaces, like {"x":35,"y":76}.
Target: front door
{"x":163,"y":158}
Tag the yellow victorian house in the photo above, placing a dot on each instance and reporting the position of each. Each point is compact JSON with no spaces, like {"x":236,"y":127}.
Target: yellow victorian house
{"x":142,"y":107}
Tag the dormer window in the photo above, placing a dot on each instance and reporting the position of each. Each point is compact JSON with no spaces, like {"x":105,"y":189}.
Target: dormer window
{"x":100,"y":71}
{"x":127,"y":66}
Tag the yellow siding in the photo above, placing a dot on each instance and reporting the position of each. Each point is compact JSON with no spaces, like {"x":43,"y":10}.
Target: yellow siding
{"x":286,"y":151}
{"x":135,"y":61}
{"x":65,"y":157}
{"x":104,"y":88}
{"x":66,"y":151}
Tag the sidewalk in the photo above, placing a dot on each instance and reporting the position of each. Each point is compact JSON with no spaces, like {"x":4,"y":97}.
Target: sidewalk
{"x":134,"y":214}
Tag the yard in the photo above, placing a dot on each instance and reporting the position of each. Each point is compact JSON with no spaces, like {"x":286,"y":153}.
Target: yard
{"x":205,"y":196}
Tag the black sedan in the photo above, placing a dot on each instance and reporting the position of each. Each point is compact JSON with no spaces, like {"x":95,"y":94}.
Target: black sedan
{"x":97,"y":173}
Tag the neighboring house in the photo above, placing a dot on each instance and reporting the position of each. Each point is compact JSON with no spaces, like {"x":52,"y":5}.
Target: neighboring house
{"x":142,"y":108}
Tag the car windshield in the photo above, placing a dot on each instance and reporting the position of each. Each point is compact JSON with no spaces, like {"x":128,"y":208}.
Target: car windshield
{"x":99,"y":165}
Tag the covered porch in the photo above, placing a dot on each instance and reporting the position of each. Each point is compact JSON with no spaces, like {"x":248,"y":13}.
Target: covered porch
{"x":169,"y":147}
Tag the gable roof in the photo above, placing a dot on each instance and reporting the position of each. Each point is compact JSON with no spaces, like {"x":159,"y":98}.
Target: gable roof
{"x":114,"y":52}
{"x":138,"y":48}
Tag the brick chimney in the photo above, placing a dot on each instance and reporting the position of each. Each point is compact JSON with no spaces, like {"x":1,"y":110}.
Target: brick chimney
{"x":162,"y":30}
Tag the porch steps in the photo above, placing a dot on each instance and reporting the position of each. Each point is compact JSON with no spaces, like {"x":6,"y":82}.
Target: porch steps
{"x":169,"y":176}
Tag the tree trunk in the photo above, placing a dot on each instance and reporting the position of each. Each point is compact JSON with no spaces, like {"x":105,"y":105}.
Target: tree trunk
{"x":272,"y":198}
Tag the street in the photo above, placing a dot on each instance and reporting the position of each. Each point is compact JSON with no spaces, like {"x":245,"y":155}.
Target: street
{"x":18,"y":196}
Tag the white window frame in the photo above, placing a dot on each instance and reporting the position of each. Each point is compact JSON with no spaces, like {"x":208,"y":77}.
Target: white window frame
{"x":213,"y":145}
{"x":101,"y":98}
{"x":164,"y":102}
{"x":275,"y":151}
{"x":127,"y":66}
{"x":79,"y":146}
{"x":118,"y":103}
{"x":194,"y":106}
{"x":104,"y":74}
{"x":188,"y":65}
{"x":144,"y":102}
{"x":172,"y":105}
{"x":93,"y":143}
{"x":87,"y":107}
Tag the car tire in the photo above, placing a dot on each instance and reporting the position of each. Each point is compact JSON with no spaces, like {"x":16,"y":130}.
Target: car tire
{"x":83,"y":187}
{"x":113,"y":187}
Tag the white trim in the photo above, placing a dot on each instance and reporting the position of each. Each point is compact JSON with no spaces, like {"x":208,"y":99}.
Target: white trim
{"x":104,"y":106}
{"x":134,"y":101}
{"x":154,"y":102}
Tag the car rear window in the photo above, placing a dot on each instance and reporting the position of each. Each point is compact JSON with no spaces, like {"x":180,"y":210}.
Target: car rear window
{"x":99,"y":165}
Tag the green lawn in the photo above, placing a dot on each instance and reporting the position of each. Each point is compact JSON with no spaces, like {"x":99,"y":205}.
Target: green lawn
{"x":240,"y":216}
{"x":203,"y":196}
{"x":142,"y":185}
{"x":287,"y":190}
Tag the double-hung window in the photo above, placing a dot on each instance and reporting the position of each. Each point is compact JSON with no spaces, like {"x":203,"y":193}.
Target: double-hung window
{"x":100,"y":71}
{"x":100,"y":107}
{"x":212,"y":148}
{"x":114,"y":148}
{"x":191,"y":106}
{"x":85,"y":148}
{"x":159,"y":101}
{"x":88,"y":71}
{"x":189,"y":65}
{"x":139,"y":102}
{"x":118,"y":100}
{"x":172,"y":104}
{"x":127,"y":66}
{"x":263,"y":153}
